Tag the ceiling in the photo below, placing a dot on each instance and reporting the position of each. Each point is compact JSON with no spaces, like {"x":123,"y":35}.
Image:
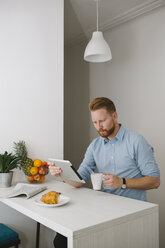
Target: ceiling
{"x":80,"y":15}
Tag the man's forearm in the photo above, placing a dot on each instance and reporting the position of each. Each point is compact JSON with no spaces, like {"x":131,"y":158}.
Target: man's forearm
{"x":143,"y":183}
{"x":72,"y":183}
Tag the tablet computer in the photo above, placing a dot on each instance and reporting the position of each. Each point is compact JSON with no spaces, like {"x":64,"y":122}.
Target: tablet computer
{"x":68,"y":170}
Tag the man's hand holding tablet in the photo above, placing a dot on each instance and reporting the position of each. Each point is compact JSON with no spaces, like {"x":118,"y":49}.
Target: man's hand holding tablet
{"x":57,"y":171}
{"x":54,"y":170}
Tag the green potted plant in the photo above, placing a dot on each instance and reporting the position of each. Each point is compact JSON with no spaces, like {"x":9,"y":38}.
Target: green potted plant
{"x":8,"y":162}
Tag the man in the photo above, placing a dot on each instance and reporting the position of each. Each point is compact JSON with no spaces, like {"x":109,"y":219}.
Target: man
{"x":123,"y":156}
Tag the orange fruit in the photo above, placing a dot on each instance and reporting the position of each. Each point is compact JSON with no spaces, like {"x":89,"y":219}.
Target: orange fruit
{"x":37,"y":162}
{"x":44,"y":163}
{"x":42,"y":178}
{"x":33,"y":170}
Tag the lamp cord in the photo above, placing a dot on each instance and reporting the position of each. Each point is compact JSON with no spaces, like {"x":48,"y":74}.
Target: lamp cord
{"x":97,"y":13}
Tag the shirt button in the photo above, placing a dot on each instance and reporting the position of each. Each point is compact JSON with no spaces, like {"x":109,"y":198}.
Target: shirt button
{"x":112,"y":169}
{"x":112,"y":157}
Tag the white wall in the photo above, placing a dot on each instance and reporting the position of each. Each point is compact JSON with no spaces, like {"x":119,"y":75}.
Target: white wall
{"x":134,"y":80}
{"x":31,"y":88}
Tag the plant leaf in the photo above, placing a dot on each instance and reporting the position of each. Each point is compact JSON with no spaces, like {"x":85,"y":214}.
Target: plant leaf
{"x":8,"y":162}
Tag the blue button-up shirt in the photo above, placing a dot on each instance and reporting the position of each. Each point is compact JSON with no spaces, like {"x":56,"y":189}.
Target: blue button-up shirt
{"x":127,"y":155}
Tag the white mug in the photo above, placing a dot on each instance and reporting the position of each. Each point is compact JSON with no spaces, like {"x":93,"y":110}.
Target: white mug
{"x":96,"y":179}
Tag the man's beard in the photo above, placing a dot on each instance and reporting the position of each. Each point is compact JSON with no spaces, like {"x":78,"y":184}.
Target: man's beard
{"x":106,"y":133}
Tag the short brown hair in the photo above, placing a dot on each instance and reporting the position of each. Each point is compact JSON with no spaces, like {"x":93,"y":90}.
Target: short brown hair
{"x":102,"y":102}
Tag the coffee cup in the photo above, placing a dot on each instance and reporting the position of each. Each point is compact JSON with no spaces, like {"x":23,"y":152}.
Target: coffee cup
{"x":96,"y":179}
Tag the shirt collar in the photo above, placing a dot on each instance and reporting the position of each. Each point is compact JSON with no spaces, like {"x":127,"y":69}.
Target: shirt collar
{"x":120,"y":133}
{"x":118,"y":136}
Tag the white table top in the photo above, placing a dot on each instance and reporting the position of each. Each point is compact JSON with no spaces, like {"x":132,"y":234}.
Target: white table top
{"x":87,"y":209}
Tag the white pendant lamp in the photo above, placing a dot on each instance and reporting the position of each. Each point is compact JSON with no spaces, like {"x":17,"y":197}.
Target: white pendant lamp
{"x":97,"y":49}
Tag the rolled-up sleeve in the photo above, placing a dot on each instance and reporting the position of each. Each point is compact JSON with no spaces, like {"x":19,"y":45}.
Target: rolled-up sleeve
{"x":145,"y":158}
{"x":88,"y":165}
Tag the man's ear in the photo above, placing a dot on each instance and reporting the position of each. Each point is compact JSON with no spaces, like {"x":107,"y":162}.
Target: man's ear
{"x":115,"y":115}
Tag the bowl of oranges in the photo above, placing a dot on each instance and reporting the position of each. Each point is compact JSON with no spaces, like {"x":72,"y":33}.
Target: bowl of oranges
{"x":38,"y":171}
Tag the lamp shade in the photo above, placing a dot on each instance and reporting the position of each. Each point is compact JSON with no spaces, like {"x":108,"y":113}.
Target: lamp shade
{"x":97,"y":49}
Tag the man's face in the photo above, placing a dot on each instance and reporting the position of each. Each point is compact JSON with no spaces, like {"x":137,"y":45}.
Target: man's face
{"x":104,"y":122}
